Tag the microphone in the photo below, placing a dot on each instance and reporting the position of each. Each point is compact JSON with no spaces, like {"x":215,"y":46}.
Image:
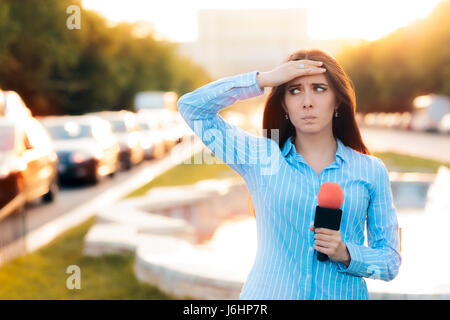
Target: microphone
{"x":328,"y":215}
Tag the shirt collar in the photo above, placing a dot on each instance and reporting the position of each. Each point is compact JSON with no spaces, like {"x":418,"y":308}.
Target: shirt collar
{"x":289,"y":147}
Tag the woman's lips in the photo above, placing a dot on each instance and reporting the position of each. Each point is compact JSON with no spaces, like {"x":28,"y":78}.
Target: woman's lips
{"x":309,"y":118}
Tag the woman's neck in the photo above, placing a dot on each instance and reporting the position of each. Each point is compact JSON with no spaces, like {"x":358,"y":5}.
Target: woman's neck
{"x":315,"y":145}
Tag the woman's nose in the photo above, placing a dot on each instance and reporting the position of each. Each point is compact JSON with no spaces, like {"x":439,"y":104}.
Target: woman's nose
{"x":307,"y":101}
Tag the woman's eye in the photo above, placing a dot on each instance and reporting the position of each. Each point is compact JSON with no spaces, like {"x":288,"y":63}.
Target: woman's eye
{"x":321,"y":89}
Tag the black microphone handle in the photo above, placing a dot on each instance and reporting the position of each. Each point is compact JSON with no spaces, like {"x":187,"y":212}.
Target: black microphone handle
{"x":329,"y":219}
{"x":322,"y":256}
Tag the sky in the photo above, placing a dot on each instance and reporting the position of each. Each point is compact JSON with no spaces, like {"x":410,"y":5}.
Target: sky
{"x":176,"y":20}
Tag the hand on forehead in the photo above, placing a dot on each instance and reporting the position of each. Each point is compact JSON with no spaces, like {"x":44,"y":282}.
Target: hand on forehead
{"x":309,"y":79}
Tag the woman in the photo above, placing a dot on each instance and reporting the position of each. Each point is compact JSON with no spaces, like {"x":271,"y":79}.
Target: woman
{"x":310,"y":137}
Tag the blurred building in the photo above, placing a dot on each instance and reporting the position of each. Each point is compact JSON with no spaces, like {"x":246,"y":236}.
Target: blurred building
{"x":237,"y":41}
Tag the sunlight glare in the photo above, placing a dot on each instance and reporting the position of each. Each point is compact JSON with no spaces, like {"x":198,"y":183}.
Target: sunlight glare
{"x":177,"y":20}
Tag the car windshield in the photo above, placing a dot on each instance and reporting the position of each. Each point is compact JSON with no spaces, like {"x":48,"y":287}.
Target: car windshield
{"x":144,"y":126}
{"x":118,"y":126}
{"x":69,"y":130}
{"x":6,"y":138}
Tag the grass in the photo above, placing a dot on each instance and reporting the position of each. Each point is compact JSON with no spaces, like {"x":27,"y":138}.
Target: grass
{"x":185,"y":174}
{"x":42,"y":274}
{"x":406,"y":163}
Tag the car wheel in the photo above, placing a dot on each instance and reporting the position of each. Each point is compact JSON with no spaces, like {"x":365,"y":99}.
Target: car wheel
{"x":112,"y":173}
{"x":159,"y":152}
{"x":50,"y":196}
{"x":20,"y":189}
{"x":94,"y":177}
{"x":128,"y":164}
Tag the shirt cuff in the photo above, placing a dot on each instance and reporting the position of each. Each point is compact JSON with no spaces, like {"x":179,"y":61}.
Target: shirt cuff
{"x":248,"y":84}
{"x":256,"y":81}
{"x":355,"y":260}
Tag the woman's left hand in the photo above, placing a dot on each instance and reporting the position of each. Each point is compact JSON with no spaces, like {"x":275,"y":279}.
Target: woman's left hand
{"x":330,"y":242}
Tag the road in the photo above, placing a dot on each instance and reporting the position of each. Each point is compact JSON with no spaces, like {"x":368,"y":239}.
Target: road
{"x":42,"y":222}
{"x":422,"y":144}
{"x":72,"y":195}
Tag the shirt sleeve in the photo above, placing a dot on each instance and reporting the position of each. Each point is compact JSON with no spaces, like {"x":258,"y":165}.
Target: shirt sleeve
{"x":199,"y":108}
{"x":381,"y":259}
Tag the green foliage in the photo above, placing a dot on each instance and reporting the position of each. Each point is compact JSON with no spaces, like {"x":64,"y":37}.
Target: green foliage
{"x":42,"y":274}
{"x":97,"y":67}
{"x":406,"y":163}
{"x":389,"y":73}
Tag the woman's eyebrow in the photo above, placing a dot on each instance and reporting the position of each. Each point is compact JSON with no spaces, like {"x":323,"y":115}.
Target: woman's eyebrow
{"x":314,"y":84}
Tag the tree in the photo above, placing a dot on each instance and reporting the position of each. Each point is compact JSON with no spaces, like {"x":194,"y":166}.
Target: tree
{"x":98,"y":67}
{"x":390,"y":72}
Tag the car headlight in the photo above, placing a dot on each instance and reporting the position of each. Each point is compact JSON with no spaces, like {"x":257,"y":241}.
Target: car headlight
{"x":146,"y":143}
{"x":81,"y":156}
{"x":133,"y":140}
{"x":85,"y":155}
{"x":12,"y":165}
{"x":4,"y":171}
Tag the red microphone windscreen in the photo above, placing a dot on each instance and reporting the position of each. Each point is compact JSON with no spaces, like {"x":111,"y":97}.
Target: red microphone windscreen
{"x":330,"y":195}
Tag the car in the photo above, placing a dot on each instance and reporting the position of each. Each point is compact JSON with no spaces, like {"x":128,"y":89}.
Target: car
{"x":28,"y":165}
{"x":181,"y":128}
{"x":86,"y":148}
{"x":152,"y":140}
{"x":444,"y":124}
{"x":126,"y":131}
{"x":429,"y":111}
{"x":171,"y":124}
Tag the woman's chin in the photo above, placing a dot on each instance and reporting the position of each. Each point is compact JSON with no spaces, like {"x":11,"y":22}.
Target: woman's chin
{"x":310,"y":129}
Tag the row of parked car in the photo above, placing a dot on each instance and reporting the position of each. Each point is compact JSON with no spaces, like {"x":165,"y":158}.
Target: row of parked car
{"x":37,"y":154}
{"x":431,"y":113}
{"x":417,"y":121}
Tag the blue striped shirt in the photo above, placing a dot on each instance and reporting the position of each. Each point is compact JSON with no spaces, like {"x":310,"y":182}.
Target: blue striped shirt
{"x":284,"y":191}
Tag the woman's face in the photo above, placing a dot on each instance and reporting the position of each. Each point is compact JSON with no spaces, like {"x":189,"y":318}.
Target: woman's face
{"x":310,"y":96}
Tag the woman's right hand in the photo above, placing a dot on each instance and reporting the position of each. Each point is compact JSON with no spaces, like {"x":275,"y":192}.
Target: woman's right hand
{"x":287,"y":71}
